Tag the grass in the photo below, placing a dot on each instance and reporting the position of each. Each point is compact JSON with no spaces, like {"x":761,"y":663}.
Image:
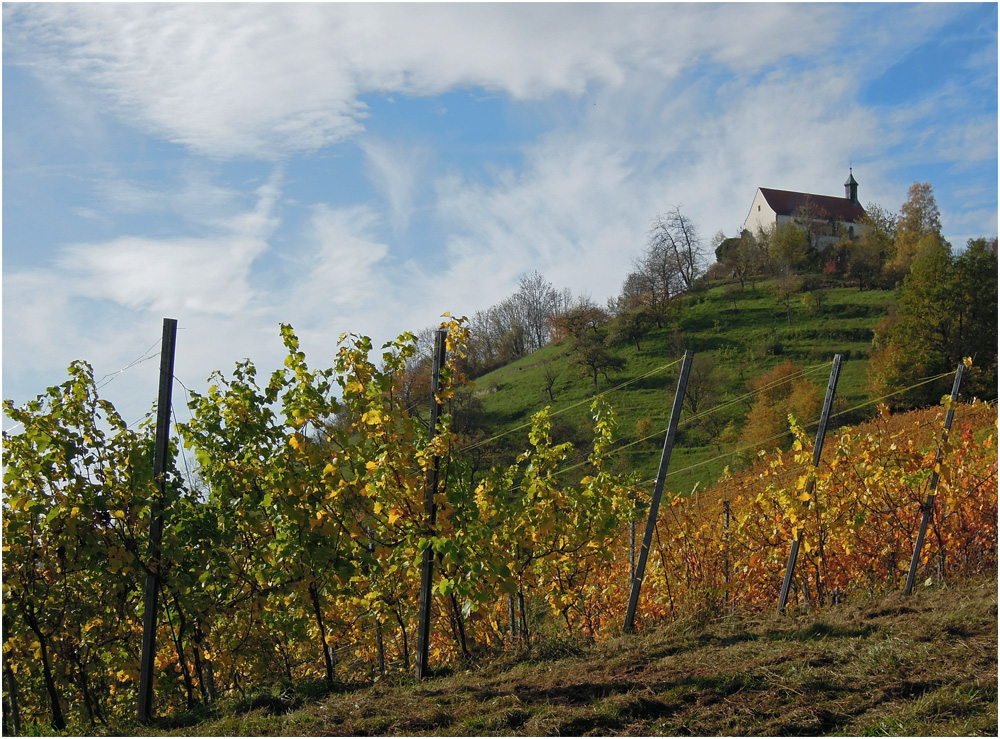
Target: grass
{"x":751,"y":338}
{"x":925,"y":665}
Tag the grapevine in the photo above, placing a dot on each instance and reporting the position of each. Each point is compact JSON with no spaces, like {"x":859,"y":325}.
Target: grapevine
{"x":295,"y":553}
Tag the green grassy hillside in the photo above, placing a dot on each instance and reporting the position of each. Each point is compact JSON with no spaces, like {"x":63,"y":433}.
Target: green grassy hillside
{"x":736,"y":336}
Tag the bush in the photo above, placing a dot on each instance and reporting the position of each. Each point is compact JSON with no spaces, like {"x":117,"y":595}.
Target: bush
{"x":772,"y":347}
{"x":643,"y":428}
{"x":811,"y":283}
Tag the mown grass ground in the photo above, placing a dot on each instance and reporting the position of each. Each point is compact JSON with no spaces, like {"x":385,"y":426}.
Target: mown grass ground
{"x":746,"y":337}
{"x":895,"y":666}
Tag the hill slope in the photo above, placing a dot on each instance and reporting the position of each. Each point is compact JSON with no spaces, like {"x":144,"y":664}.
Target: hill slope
{"x":736,"y":336}
{"x":925,"y":665}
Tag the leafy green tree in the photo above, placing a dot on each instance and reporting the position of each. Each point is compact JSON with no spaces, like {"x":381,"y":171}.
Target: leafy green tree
{"x":631,"y":326}
{"x":788,"y":247}
{"x":593,"y":356}
{"x":975,"y":283}
{"x":867,"y":254}
{"x":744,"y":257}
{"x":918,"y":229}
{"x":947,"y":311}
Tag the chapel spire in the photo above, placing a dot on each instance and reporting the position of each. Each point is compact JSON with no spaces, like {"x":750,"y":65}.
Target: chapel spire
{"x":851,"y":188}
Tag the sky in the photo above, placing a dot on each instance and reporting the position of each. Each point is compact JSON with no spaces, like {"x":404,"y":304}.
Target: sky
{"x":367,"y":167}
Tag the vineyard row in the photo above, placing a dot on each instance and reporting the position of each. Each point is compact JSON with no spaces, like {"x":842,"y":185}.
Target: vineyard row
{"x":297,"y":555}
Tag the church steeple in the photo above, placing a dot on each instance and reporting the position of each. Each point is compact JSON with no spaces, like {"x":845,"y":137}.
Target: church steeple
{"x":851,"y":188}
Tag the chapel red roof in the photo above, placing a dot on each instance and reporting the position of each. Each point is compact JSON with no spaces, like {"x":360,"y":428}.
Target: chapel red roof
{"x":788,"y":203}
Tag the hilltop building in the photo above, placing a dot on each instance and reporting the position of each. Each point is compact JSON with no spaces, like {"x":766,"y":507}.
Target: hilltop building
{"x":829,"y":219}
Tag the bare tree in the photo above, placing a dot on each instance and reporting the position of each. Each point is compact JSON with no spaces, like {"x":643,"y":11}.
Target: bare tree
{"x":685,"y":245}
{"x":508,"y":324}
{"x":631,"y":326}
{"x":659,"y":263}
{"x":482,"y":350}
{"x":538,"y":303}
{"x":519,"y":324}
{"x":669,"y":265}
{"x":549,"y":378}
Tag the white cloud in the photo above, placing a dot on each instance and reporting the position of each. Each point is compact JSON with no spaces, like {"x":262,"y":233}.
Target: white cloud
{"x":264,"y":80}
{"x":579,"y":209}
{"x":345,"y":265}
{"x":122,"y":196}
{"x":968,"y":224}
{"x":569,"y":214}
{"x":182,"y":274}
{"x":226,"y":80}
{"x":166,"y":276}
{"x":396,"y":171}
{"x":194,"y":197}
{"x":103,"y":302}
{"x":34,"y":305}
{"x":47,"y":324}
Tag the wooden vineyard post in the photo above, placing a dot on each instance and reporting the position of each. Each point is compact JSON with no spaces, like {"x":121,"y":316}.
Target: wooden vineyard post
{"x":654,"y":503}
{"x":160,"y":450}
{"x":928,"y":506}
{"x":430,"y":511}
{"x":793,"y":554}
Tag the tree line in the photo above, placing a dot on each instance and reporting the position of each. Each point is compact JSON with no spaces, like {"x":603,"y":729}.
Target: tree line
{"x":538,"y":313}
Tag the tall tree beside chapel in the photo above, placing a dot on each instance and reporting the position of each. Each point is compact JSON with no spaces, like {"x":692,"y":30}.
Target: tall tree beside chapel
{"x":918,"y":229}
{"x":947,"y":311}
